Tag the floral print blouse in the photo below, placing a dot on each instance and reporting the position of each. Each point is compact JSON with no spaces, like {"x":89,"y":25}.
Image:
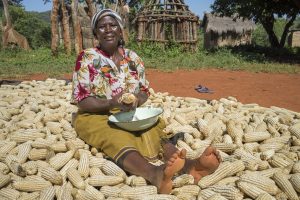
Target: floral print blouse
{"x":96,"y":75}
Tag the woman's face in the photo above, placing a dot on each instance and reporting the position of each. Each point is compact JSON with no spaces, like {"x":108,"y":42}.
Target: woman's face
{"x":108,"y":32}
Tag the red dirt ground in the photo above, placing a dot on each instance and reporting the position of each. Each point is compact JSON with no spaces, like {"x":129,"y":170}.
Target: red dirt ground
{"x":282,"y":90}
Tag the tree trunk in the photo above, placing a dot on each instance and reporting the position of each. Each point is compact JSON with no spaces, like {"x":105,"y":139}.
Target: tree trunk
{"x":268,"y":24}
{"x":9,"y":35}
{"x":76,"y":28}
{"x":286,"y":30}
{"x":54,"y":28}
{"x":91,"y":7}
{"x":7,"y":15}
{"x":66,"y":28}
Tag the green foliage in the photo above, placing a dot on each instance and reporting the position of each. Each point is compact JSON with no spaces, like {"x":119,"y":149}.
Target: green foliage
{"x":36,"y":30}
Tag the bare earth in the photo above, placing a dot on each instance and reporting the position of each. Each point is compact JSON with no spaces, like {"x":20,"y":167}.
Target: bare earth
{"x":281,"y":90}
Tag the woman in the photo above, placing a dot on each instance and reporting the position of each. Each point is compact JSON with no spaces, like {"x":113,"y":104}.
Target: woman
{"x":101,"y":76}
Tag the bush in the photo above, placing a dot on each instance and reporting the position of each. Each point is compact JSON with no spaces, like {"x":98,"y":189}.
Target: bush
{"x":36,"y":30}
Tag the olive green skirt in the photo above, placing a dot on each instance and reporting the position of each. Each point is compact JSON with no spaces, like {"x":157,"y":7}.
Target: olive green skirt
{"x":98,"y":132}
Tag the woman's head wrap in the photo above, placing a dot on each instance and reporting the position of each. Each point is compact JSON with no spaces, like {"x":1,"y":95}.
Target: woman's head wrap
{"x":106,"y":12}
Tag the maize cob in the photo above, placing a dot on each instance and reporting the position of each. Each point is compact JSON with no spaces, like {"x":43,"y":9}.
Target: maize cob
{"x":227,"y":148}
{"x":83,"y":166}
{"x":41,"y":143}
{"x":96,"y":194}
{"x":95,"y":171}
{"x":191,"y":189}
{"x":29,"y":196}
{"x":277,"y":161}
{"x":295,"y":181}
{"x":69,"y":135}
{"x":52,"y":175}
{"x":4,"y":168}
{"x":182,"y":145}
{"x":21,"y":137}
{"x":206,"y":193}
{"x":14,"y":165}
{"x":223,"y":170}
{"x":7,"y":147}
{"x":228,"y":181}
{"x":100,"y":180}
{"x":138,"y":192}
{"x":75,"y":178}
{"x":135,"y":181}
{"x":73,"y":163}
{"x":60,"y":159}
{"x":295,"y":131}
{"x":256,"y":136}
{"x":9,"y":193}
{"x":183,"y":180}
{"x":111,"y":169}
{"x":38,"y":154}
{"x":47,"y":193}
{"x":250,"y":189}
{"x":97,"y":162}
{"x":261,"y":182}
{"x":284,"y":184}
{"x":65,"y":192}
{"x":265,"y":196}
{"x":4,"y":180}
{"x":217,"y":197}
{"x":160,"y":197}
{"x":230,"y":192}
{"x":186,"y":196}
{"x":24,"y":150}
{"x":112,"y":191}
{"x":59,"y":147}
{"x":296,"y":167}
{"x":31,"y":185}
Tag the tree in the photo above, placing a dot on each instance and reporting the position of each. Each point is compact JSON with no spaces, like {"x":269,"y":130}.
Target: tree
{"x":10,"y":35}
{"x":263,"y":11}
{"x":54,"y":28}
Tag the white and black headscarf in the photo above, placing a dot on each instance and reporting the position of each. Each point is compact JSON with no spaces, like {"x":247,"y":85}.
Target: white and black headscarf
{"x":106,"y":12}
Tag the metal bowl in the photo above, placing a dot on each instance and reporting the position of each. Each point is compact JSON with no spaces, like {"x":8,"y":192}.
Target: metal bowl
{"x":139,"y":119}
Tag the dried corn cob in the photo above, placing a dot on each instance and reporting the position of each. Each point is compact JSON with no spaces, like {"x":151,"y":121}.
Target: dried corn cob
{"x":295,"y":181}
{"x":138,"y":192}
{"x":284,"y":184}
{"x":31,"y":186}
{"x":183,"y":180}
{"x":73,"y":163}
{"x":9,"y":193}
{"x":100,"y":180}
{"x":250,"y":189}
{"x":75,"y":178}
{"x":110,"y":168}
{"x":230,"y":192}
{"x":190,"y":189}
{"x":52,"y":175}
{"x":84,"y":165}
{"x":264,"y":183}
{"x":223,"y":170}
{"x":112,"y":191}
{"x":47,"y":193}
{"x":96,"y":194}
{"x":4,"y":180}
{"x":60,"y":159}
{"x":256,"y":136}
{"x":4,"y":168}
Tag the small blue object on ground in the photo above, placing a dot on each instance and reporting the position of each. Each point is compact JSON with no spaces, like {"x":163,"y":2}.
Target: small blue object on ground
{"x":203,"y":89}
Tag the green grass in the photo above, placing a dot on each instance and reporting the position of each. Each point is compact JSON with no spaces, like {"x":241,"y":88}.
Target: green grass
{"x":18,"y":63}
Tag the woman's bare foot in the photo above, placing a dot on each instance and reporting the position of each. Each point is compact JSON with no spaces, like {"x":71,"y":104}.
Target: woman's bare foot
{"x":173,"y":165}
{"x":206,"y":164}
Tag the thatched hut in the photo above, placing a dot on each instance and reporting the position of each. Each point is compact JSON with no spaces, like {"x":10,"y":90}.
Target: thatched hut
{"x":294,"y":38}
{"x":226,"y":31}
{"x":163,"y":21}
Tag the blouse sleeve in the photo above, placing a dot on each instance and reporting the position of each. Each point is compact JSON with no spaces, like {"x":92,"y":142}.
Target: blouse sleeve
{"x":143,"y":83}
{"x":81,"y":87}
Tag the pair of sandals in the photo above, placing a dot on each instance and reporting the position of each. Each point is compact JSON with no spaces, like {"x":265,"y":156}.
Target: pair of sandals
{"x":203,"y":89}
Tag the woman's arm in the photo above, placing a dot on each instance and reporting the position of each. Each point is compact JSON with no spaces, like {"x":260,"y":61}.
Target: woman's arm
{"x":96,"y":105}
{"x":142,"y":97}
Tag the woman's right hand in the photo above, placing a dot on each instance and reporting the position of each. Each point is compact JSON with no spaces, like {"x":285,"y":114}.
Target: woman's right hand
{"x":116,"y":102}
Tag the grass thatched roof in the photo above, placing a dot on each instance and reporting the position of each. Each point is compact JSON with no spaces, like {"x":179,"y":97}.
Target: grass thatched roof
{"x":224,"y":24}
